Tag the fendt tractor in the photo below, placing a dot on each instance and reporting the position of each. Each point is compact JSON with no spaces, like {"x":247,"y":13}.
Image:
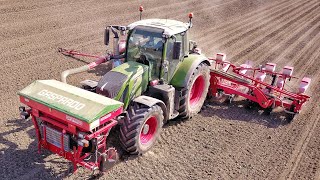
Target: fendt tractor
{"x":158,"y":75}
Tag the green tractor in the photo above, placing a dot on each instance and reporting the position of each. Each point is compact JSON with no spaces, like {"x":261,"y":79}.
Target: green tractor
{"x":163,"y":76}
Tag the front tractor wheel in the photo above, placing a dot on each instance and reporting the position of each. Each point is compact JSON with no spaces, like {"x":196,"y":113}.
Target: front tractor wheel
{"x":141,"y":130}
{"x":193,"y":98}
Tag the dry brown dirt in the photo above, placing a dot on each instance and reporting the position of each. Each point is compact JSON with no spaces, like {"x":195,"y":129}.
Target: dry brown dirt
{"x":223,"y":141}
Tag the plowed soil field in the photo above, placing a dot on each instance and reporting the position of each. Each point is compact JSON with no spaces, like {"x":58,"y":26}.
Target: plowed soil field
{"x":224,"y":141}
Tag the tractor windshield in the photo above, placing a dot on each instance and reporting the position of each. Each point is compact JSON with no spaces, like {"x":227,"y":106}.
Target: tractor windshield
{"x":145,"y":46}
{"x":146,"y":41}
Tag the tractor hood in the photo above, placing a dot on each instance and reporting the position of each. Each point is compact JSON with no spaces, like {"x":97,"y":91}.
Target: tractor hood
{"x":124,"y":81}
{"x":71,"y":100}
{"x":131,"y":69}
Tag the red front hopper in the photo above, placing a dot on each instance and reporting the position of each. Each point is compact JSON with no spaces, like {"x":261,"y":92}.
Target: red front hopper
{"x":70,"y":121}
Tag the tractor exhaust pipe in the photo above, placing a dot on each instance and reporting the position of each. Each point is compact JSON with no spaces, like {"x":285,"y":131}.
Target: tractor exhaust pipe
{"x":116,"y":45}
{"x":115,"y":38}
{"x":106,"y":36}
{"x":115,"y":41}
{"x":84,"y":68}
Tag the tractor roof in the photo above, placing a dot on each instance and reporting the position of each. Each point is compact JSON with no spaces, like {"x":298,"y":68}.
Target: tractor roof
{"x":169,"y":26}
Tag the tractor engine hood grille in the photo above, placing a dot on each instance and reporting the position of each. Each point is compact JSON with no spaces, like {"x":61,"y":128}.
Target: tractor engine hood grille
{"x":110,"y":84}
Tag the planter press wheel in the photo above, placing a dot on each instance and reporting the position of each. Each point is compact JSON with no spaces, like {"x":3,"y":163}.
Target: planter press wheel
{"x":196,"y":91}
{"x":140,"y":131}
{"x":108,"y":159}
{"x":290,"y":116}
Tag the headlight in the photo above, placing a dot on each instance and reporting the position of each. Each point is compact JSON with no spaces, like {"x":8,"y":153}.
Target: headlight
{"x":83,"y":142}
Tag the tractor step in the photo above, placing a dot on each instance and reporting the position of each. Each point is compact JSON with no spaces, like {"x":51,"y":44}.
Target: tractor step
{"x":174,"y":115}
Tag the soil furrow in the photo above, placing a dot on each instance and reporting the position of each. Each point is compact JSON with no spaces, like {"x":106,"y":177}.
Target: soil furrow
{"x":246,"y":24}
{"x":284,"y":15}
{"x":57,"y":21}
{"x":301,"y":36}
{"x":246,"y":19}
{"x":267,"y":25}
{"x":273,"y":33}
{"x":277,"y":44}
{"x":301,"y":129}
{"x":44,"y":39}
{"x":296,"y":155}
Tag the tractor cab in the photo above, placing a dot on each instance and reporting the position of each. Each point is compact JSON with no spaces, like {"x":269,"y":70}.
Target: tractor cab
{"x":159,"y":43}
{"x":154,"y":51}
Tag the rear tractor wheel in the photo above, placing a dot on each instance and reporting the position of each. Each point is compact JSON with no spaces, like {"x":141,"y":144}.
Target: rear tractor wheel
{"x":193,"y":98}
{"x":141,"y":130}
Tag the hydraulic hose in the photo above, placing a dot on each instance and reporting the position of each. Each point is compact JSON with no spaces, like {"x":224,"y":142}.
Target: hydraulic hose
{"x":68,"y":72}
{"x":84,"y":68}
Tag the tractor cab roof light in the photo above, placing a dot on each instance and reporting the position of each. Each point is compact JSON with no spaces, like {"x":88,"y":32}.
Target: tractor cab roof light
{"x":190,"y":19}
{"x":141,"y":10}
{"x":190,"y":15}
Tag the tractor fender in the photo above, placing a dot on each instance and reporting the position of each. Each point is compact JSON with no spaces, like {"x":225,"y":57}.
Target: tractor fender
{"x":150,"y":101}
{"x":186,"y":69}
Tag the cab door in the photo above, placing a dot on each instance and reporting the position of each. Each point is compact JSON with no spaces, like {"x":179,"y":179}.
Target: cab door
{"x":170,"y":64}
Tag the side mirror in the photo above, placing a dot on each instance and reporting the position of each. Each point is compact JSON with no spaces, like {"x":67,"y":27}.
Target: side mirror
{"x":165,"y":66}
{"x":176,"y":50}
{"x":123,"y":30}
{"x":106,"y":36}
{"x":192,"y":45}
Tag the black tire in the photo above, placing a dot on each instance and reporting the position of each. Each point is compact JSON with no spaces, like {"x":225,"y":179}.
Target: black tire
{"x":132,"y":137}
{"x":290,"y":116}
{"x":268,"y":110}
{"x":250,"y":104}
{"x":186,"y":108}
